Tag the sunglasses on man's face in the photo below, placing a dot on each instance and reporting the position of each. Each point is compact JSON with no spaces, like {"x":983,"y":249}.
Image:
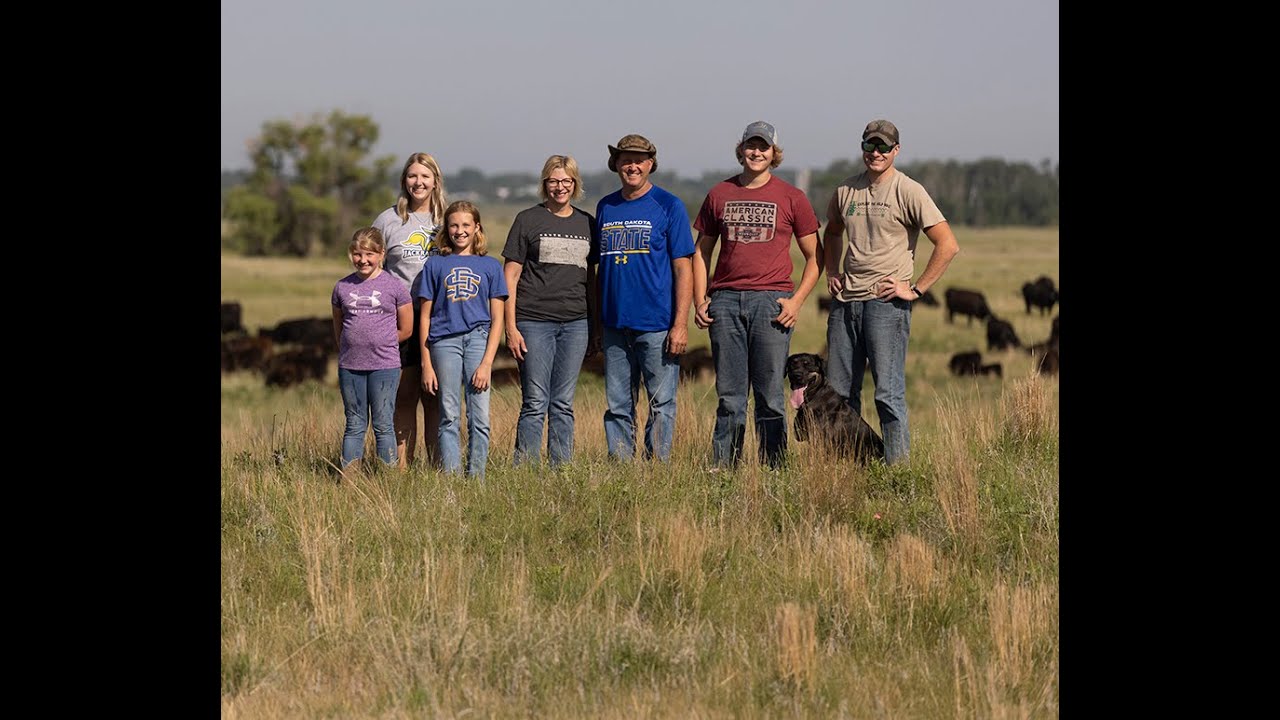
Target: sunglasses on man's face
{"x":872,"y":146}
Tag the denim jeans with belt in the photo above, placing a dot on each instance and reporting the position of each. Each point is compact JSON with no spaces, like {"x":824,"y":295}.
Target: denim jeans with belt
{"x":455,"y":359}
{"x":750,"y":348}
{"x":873,"y":332}
{"x":631,"y":356}
{"x":548,"y":380}
{"x":365,"y":393}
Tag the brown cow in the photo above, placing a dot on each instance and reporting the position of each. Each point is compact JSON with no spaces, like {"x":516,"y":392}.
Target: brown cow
{"x":966,"y":302}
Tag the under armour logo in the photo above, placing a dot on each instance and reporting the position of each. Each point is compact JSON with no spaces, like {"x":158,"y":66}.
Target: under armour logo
{"x":373,"y":298}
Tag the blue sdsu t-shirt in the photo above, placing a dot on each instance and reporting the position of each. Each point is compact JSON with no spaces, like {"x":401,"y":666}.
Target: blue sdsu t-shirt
{"x":637,"y":240}
{"x":459,"y":288}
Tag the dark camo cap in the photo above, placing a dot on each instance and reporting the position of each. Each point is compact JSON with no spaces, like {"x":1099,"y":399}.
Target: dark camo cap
{"x":632,"y":143}
{"x":882,"y":129}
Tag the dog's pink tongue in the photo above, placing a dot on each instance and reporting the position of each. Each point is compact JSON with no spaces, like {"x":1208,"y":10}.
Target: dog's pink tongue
{"x":797,"y":397}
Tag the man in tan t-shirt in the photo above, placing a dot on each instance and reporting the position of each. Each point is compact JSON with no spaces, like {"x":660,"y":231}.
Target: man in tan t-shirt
{"x":876,"y":216}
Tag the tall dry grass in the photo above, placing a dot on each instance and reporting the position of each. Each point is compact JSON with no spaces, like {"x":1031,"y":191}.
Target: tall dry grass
{"x":648,"y":590}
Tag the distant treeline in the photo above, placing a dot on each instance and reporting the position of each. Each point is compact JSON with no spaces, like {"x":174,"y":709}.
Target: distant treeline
{"x":309,"y":183}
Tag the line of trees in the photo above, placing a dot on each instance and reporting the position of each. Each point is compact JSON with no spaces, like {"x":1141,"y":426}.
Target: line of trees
{"x":312,"y":182}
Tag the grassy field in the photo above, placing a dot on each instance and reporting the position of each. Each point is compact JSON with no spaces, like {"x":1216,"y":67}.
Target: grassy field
{"x":923,"y":590}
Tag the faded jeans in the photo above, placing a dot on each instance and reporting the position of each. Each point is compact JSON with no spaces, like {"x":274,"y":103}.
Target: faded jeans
{"x":366,"y":393}
{"x":455,"y":359}
{"x":750,"y":348}
{"x":631,"y":356}
{"x":548,"y":380}
{"x":873,"y":332}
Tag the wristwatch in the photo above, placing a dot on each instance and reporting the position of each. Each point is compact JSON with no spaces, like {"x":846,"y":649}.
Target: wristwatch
{"x":916,"y":290}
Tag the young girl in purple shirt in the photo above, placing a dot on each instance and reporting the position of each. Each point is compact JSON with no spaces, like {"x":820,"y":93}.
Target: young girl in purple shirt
{"x":372,"y":315}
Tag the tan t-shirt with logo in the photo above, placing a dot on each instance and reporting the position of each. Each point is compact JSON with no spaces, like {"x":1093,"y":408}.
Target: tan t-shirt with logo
{"x":881,"y":225}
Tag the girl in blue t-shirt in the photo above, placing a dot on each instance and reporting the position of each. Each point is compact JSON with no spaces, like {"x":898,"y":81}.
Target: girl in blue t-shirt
{"x":462,"y":292}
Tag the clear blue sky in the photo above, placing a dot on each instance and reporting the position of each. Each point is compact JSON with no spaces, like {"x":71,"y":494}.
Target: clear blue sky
{"x":501,"y":84}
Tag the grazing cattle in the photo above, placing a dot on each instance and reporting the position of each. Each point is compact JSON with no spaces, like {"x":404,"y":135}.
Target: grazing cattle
{"x":966,"y":302}
{"x":313,"y":332}
{"x":825,"y":415}
{"x":1040,"y":293}
{"x":295,"y":366}
{"x":697,"y":362}
{"x":1046,"y":353}
{"x":970,"y":363}
{"x":231,"y":318}
{"x":928,"y":299}
{"x":1000,"y":334}
{"x":244,"y":352}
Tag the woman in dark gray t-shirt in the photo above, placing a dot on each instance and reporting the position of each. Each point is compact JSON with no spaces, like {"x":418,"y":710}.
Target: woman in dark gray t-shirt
{"x":550,"y":273}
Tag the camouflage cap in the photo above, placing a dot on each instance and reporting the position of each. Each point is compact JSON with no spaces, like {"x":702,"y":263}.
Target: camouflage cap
{"x":882,"y":129}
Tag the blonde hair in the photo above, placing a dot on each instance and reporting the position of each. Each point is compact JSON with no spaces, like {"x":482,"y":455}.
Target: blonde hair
{"x":368,"y":239}
{"x":480,"y":245}
{"x":777,"y":154}
{"x":435,"y":201}
{"x":570,"y":166}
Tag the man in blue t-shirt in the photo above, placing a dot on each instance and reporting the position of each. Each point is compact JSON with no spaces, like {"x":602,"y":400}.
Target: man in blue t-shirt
{"x":645,"y":291}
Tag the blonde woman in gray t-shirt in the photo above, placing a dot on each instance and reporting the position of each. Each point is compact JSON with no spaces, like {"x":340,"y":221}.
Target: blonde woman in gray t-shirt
{"x":410,"y":228}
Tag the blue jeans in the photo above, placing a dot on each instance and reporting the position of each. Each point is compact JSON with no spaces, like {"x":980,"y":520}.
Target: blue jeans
{"x":749,"y":347}
{"x":548,"y":380}
{"x":365,"y":393}
{"x":875,"y":332}
{"x":455,"y":359}
{"x":629,"y":357}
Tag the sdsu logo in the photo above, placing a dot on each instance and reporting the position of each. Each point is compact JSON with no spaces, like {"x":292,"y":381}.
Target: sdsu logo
{"x":462,"y":284}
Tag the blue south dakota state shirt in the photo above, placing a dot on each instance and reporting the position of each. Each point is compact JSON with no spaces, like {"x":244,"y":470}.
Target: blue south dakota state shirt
{"x":637,"y":240}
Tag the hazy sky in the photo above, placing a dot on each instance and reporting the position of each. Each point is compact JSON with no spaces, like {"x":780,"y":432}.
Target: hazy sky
{"x":501,"y":84}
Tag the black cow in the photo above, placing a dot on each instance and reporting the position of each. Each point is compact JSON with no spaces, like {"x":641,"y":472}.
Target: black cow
{"x":697,"y":362}
{"x":1040,"y":293}
{"x":928,"y":299}
{"x":244,"y":352}
{"x":1045,"y":354}
{"x":966,"y":302}
{"x":1048,"y":364}
{"x":232,"y":318}
{"x":1000,"y":334}
{"x":293,"y":367}
{"x":970,"y":363}
{"x":313,"y":332}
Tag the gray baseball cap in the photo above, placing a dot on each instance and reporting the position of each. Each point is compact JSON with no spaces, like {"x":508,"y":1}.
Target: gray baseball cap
{"x":760,"y":129}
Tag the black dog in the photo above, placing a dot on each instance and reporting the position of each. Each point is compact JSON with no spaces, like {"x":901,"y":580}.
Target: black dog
{"x":820,"y":407}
